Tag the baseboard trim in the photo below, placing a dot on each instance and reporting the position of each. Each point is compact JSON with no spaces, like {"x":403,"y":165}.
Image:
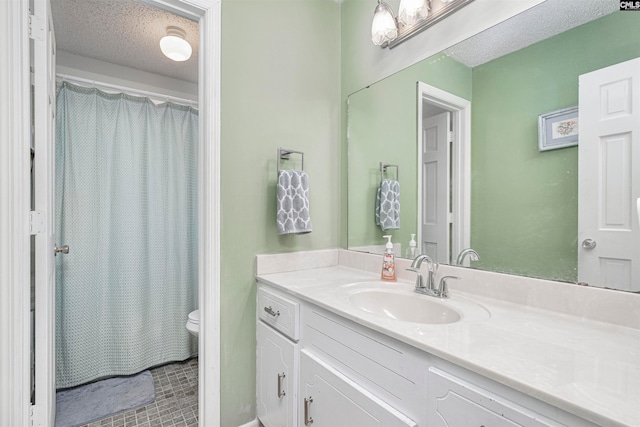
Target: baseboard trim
{"x":254,"y":423}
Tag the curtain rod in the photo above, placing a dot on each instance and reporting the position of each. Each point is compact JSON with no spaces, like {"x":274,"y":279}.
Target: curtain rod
{"x":130,"y":91}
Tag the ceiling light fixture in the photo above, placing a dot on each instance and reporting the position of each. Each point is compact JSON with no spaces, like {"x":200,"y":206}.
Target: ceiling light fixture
{"x":414,"y":16}
{"x":174,"y":46}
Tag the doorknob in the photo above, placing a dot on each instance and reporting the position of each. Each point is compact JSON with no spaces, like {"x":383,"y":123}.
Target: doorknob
{"x":588,"y":243}
{"x":62,"y":249}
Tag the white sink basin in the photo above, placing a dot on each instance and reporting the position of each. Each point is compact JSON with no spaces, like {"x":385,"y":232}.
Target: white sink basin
{"x":398,"y":301}
{"x":404,"y":307}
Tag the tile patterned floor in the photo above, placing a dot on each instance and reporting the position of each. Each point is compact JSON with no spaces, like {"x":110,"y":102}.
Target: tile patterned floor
{"x":176,"y":403}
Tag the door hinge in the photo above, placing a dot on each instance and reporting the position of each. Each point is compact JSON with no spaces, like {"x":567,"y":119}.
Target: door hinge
{"x":36,"y":28}
{"x":36,"y":222}
{"x":32,"y":422}
{"x":451,"y":136}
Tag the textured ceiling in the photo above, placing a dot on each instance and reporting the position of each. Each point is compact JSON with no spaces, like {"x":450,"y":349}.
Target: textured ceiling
{"x":538,"y":23}
{"x":123,"y":32}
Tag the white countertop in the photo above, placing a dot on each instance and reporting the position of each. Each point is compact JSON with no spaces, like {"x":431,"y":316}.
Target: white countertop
{"x":585,"y":367}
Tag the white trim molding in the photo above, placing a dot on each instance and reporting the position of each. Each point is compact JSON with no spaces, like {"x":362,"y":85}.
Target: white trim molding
{"x":209,"y":209}
{"x":14,"y":210}
{"x":209,"y":14}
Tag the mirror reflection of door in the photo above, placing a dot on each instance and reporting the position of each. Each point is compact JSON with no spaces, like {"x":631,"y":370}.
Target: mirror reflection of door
{"x":609,"y":185}
{"x":436,"y":188}
{"x":444,"y":121}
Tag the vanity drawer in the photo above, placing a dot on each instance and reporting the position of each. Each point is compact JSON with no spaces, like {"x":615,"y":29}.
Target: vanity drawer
{"x":280,"y":312}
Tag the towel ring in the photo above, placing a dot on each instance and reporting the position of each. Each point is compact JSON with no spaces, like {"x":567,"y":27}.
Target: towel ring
{"x":383,"y":169}
{"x":285,"y":154}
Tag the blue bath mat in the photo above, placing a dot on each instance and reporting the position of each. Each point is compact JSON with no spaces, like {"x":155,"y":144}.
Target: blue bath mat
{"x":101,"y":399}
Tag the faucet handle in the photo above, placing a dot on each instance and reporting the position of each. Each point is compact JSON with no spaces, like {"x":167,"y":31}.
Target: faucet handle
{"x":418,"y":278}
{"x":443,"y":289}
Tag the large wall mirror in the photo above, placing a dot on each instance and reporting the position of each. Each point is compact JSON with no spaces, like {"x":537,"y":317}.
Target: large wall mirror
{"x":461,"y":131}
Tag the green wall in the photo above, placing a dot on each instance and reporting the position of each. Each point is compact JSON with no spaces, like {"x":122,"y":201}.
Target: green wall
{"x":280,"y":88}
{"x":383,"y":126}
{"x":524,"y":202}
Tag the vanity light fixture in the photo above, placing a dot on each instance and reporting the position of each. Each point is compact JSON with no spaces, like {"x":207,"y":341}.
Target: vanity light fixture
{"x":414,"y":16}
{"x":412,"y":11}
{"x":383,"y":28}
{"x":174,"y":46}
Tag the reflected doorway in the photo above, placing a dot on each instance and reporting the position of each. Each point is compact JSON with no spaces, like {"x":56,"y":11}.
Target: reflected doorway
{"x":444,"y":165}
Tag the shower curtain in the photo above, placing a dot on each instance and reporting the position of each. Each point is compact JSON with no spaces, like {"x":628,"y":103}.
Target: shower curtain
{"x":126,"y":204}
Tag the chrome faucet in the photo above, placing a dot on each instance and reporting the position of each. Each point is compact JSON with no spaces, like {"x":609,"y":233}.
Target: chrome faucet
{"x":443,"y":289}
{"x":429,"y":288}
{"x":473,"y":256}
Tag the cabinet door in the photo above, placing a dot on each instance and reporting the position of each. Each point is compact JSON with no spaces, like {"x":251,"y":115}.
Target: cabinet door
{"x":276,"y":378}
{"x":329,"y":399}
{"x":454,"y":402}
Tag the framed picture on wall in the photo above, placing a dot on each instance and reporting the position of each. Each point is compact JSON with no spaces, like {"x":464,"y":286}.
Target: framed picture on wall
{"x":558,"y":129}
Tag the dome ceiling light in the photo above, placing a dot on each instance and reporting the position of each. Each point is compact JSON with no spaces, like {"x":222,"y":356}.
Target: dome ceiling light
{"x":174,"y":45}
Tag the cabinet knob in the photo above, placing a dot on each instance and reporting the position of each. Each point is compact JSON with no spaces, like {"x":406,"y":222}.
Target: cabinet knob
{"x":307,"y":406}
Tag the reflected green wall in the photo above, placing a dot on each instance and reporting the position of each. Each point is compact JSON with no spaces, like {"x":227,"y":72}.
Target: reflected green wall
{"x":383,"y":128}
{"x":280,"y":87}
{"x":524,"y":216}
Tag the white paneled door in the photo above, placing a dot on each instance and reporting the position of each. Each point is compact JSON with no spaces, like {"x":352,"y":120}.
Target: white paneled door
{"x":42,"y":217}
{"x":435,"y":221}
{"x":609,"y":177}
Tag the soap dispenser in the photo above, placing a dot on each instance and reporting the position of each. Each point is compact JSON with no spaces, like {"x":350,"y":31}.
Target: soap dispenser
{"x":412,"y":250}
{"x":388,"y":262}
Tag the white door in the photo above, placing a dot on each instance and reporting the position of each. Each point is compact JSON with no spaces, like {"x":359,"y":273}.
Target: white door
{"x":43,"y":226}
{"x":609,"y":177}
{"x":435,"y":221}
{"x":276,"y":384}
{"x":329,"y":399}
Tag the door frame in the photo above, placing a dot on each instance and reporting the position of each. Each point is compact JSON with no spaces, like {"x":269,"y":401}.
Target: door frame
{"x":15,"y":203}
{"x":460,"y":110}
{"x":15,"y":159}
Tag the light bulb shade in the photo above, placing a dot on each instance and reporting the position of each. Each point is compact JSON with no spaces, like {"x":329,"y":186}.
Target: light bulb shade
{"x":174,"y":46}
{"x":412,"y":11}
{"x":383,"y":27}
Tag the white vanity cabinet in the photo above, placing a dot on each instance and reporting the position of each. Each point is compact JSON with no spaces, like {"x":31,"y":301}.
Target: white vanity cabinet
{"x":324,"y":370}
{"x":277,"y":356}
{"x":330,"y":399}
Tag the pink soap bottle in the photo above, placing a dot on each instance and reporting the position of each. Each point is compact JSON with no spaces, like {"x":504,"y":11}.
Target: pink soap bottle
{"x":388,"y":262}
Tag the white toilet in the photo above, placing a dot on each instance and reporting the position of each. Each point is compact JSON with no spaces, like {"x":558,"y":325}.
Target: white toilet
{"x":193,"y":322}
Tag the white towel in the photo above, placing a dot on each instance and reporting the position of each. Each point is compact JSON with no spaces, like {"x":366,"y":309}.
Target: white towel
{"x":388,"y":205}
{"x":292,"y":215}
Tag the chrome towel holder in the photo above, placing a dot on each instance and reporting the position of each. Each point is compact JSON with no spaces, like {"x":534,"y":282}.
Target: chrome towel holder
{"x":383,"y":169}
{"x":285,"y":154}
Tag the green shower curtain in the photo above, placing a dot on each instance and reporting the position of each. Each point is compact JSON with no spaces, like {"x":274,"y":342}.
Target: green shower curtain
{"x":126,"y":204}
